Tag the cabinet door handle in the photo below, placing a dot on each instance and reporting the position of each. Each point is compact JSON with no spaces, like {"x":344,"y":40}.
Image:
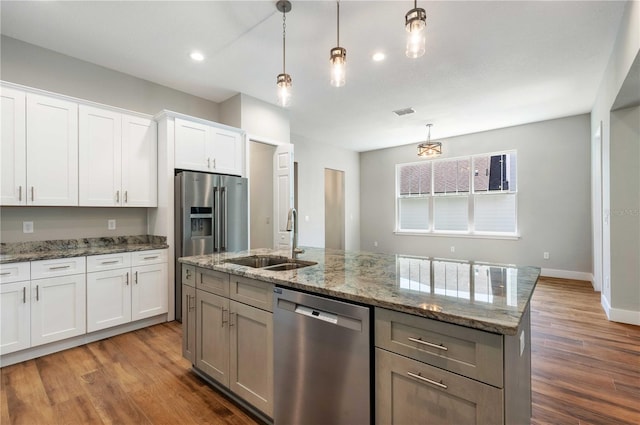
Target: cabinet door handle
{"x":429,"y":344}
{"x":59,"y":267}
{"x":4,"y":273}
{"x":224,"y":321}
{"x":208,"y":162}
{"x":214,"y":163}
{"x":19,"y":193}
{"x":32,"y":194}
{"x":37,"y":292}
{"x":231,"y":321}
{"x":188,"y":273}
{"x":24,"y":295}
{"x":427,"y":380}
{"x":117,"y":196}
{"x":192,"y":298}
{"x":126,"y":197}
{"x":127,"y":279}
{"x":135,"y":280}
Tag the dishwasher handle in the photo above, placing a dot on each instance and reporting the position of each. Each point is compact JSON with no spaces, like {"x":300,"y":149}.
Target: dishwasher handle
{"x":284,"y":306}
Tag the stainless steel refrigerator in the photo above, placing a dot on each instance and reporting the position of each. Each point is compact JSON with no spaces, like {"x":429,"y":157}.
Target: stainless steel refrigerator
{"x":211,"y":213}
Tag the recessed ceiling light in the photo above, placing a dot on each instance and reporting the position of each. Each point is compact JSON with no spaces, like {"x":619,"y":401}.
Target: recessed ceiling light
{"x":378,"y":56}
{"x":197,"y":56}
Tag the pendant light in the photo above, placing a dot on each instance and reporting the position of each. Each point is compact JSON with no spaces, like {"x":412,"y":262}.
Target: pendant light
{"x":284,"y":79}
{"x":338,"y":57}
{"x":415,"y":22}
{"x":429,"y":148}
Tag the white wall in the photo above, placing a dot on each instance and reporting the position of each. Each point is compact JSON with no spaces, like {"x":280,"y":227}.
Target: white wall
{"x":312,"y":159}
{"x":553,"y":198}
{"x":625,"y":51}
{"x":32,"y":66}
{"x":261,"y":195}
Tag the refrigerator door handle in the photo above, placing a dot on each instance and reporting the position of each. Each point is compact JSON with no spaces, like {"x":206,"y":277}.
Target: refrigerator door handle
{"x":216,"y":221}
{"x":223,"y":219}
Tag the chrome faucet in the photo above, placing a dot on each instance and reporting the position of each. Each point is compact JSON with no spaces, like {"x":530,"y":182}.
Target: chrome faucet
{"x":292,"y":224}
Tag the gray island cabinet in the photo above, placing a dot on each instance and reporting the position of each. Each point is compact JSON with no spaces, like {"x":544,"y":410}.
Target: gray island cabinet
{"x":452,"y":340}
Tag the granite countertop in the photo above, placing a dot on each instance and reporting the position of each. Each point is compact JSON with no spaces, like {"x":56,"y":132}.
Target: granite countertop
{"x":489,"y":297}
{"x":66,"y":248}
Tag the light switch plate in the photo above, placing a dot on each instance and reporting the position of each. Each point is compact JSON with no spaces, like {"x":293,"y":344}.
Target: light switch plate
{"x":111,"y":224}
{"x":27,"y":227}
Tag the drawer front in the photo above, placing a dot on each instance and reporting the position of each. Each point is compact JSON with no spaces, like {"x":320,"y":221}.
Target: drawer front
{"x":15,"y":272}
{"x":98,"y":263}
{"x":189,"y":275}
{"x":252,"y":292}
{"x":469,"y":352}
{"x":141,"y":258}
{"x":58,"y":267}
{"x":212,"y":281}
{"x":411,"y":392}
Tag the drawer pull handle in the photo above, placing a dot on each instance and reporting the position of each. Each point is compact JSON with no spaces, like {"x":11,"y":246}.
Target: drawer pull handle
{"x":32,"y":195}
{"x":127,"y":278}
{"x":427,"y":380}
{"x":37,"y":292}
{"x":4,"y":273}
{"x":24,"y":295}
{"x":151,"y":258}
{"x":188,"y":273}
{"x":59,"y":267}
{"x":110,"y":262}
{"x":429,"y":344}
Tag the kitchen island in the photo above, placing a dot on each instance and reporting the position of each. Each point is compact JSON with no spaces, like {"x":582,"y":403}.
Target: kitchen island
{"x":451,"y":338}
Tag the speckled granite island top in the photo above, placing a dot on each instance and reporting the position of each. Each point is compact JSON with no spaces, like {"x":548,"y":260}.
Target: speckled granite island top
{"x":490,"y":297}
{"x":67,"y":248}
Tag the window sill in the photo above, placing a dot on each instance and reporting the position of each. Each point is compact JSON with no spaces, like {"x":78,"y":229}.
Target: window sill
{"x":459,"y":235}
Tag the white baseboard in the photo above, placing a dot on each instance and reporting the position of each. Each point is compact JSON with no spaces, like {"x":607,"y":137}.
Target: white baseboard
{"x":567,"y":274}
{"x":605,"y":306}
{"x":630,"y":317}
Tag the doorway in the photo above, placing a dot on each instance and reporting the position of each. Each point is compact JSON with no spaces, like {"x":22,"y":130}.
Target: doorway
{"x":334,"y":211}
{"x":261,"y":195}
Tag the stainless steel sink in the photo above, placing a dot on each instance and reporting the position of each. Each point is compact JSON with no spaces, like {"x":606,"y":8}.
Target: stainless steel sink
{"x":258,"y":261}
{"x":269,"y":262}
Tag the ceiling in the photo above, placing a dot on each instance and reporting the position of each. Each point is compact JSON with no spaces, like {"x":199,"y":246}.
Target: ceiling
{"x":487,"y":64}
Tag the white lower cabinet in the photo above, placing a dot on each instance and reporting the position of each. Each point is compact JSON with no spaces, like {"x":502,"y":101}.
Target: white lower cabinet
{"x":124,"y":287}
{"x":234,"y":340}
{"x":58,"y":308}
{"x":15,"y":328}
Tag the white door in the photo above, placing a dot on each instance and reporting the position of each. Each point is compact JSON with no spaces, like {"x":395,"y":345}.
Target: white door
{"x":15,"y":300}
{"x":227,"y":152}
{"x":58,"y":307}
{"x":190,"y":141}
{"x":13,"y":180}
{"x":52,"y":151}
{"x":139,"y":162}
{"x":108,"y":298}
{"x":282,"y":194}
{"x":99,"y":156}
{"x":149,"y":291}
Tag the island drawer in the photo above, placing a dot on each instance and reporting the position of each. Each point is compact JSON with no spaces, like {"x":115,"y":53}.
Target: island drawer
{"x":465,"y":351}
{"x":15,"y":272}
{"x":408,"y":391}
{"x":253,"y":292}
{"x":189,"y":275}
{"x":212,"y":281}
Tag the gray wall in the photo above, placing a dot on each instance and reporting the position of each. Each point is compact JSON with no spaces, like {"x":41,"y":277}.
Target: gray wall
{"x":32,"y":66}
{"x":553,"y":198}
{"x":312,"y":158}
{"x":619,"y":293}
{"x":625,"y":207}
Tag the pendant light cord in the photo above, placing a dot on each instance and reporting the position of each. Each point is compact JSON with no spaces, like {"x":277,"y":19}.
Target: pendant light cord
{"x":284,"y":38}
{"x":338,"y":20}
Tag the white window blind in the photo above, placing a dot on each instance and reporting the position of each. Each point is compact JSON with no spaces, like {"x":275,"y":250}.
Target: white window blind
{"x":495,"y":213}
{"x":414,"y":213}
{"x":451,"y":213}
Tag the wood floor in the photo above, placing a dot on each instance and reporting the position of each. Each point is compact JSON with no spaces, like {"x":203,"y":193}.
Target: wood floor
{"x":586,"y":370}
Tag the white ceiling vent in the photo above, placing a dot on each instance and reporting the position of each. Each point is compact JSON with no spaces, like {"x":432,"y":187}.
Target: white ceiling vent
{"x":405,"y":111}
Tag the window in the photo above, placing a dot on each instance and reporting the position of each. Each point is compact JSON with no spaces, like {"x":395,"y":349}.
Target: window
{"x":469,"y":195}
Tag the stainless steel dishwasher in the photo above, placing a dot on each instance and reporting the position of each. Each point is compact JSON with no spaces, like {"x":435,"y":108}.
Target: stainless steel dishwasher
{"x":322,"y":358}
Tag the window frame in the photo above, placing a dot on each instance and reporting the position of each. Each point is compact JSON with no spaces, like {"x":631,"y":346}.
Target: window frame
{"x":471,"y":195}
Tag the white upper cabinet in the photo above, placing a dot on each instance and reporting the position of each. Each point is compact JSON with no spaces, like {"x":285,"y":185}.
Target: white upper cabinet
{"x":118,"y":159}
{"x":52,"y":151}
{"x":14,"y":149}
{"x":202,"y":147}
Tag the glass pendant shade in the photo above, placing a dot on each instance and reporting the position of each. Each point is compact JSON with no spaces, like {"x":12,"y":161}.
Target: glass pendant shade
{"x":338,"y":66}
{"x":415,"y":23}
{"x":284,"y":90}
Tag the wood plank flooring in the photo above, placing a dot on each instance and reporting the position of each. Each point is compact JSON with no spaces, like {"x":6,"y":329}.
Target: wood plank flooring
{"x":585,"y":370}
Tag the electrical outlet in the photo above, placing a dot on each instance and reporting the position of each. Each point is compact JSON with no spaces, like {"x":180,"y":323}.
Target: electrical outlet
{"x":27,"y":227}
{"x":453,"y":249}
{"x":111,"y":224}
{"x":306,"y":218}
{"x":545,"y":255}
{"x":375,"y":243}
